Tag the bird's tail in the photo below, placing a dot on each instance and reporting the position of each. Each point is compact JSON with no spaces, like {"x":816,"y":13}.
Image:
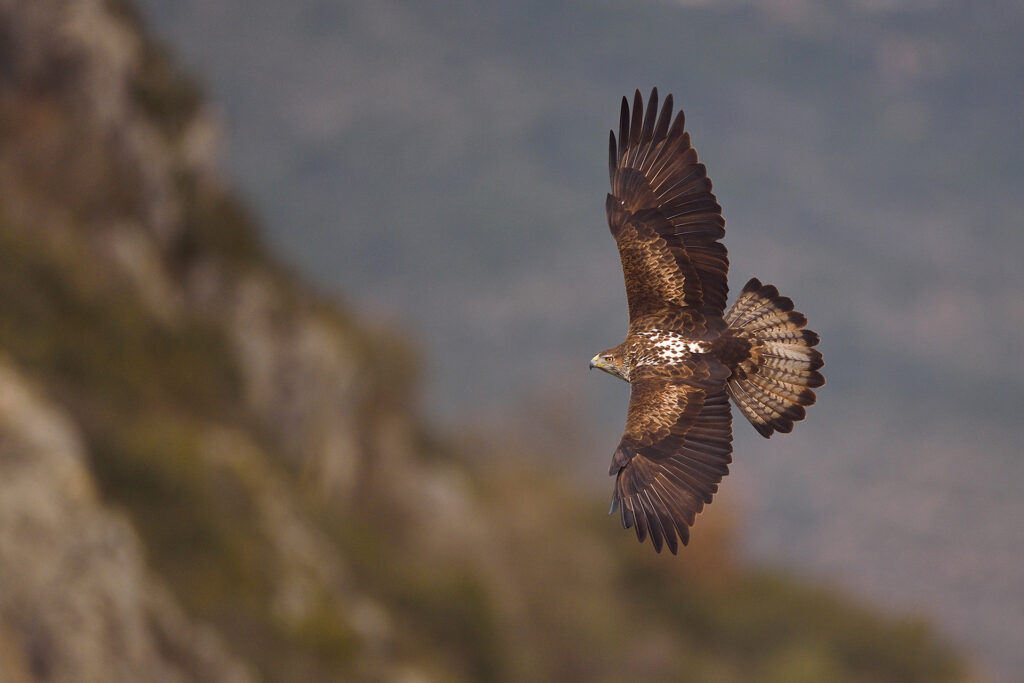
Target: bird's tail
{"x":774,"y":365}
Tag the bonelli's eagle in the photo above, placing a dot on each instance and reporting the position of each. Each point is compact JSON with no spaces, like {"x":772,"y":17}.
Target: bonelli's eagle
{"x":684,"y":356}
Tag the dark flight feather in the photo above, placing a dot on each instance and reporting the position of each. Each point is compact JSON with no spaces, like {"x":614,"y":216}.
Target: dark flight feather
{"x":659,"y":187}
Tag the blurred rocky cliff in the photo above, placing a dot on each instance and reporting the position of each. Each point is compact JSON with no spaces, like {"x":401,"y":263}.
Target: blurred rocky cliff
{"x":210,"y":472}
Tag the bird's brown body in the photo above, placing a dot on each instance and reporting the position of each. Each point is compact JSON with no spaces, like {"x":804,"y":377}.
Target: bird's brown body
{"x":684,"y":355}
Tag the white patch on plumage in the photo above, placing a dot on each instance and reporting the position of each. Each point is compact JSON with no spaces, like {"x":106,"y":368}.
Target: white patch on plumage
{"x":670,"y":347}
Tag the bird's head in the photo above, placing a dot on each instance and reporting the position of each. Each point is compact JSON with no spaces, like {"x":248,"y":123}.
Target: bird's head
{"x":612,"y":361}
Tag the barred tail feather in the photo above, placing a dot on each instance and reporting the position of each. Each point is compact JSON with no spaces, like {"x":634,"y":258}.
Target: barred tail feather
{"x":775,"y":381}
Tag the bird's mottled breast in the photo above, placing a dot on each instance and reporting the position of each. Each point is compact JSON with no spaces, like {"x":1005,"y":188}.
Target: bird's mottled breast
{"x":663,"y":347}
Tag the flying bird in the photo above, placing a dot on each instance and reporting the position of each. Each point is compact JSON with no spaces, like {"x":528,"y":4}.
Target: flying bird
{"x":684,"y":355}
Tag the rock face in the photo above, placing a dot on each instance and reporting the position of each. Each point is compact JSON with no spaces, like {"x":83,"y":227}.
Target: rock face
{"x":76,"y":600}
{"x":209,"y":472}
{"x":108,"y":193}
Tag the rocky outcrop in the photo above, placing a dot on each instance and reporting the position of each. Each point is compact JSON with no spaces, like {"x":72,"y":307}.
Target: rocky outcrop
{"x":134,"y":162}
{"x":77,"y":602}
{"x":109,"y":189}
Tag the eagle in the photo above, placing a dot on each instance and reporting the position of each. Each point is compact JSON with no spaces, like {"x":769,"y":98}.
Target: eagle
{"x":684,"y":355}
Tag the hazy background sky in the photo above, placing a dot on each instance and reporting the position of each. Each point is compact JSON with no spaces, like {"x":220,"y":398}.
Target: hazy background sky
{"x":443,"y":165}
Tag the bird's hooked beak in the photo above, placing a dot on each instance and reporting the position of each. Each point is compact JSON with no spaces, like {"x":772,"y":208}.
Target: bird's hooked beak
{"x":608,"y":363}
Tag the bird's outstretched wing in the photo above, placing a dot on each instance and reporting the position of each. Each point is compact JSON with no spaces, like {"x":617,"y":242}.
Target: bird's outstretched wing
{"x":676,"y":448}
{"x":664,"y":218}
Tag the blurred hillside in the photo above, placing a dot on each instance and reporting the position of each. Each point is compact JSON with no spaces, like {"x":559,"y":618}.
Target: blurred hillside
{"x":210,"y":472}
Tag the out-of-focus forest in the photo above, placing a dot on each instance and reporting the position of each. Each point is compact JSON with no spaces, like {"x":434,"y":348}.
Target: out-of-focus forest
{"x":211,"y":471}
